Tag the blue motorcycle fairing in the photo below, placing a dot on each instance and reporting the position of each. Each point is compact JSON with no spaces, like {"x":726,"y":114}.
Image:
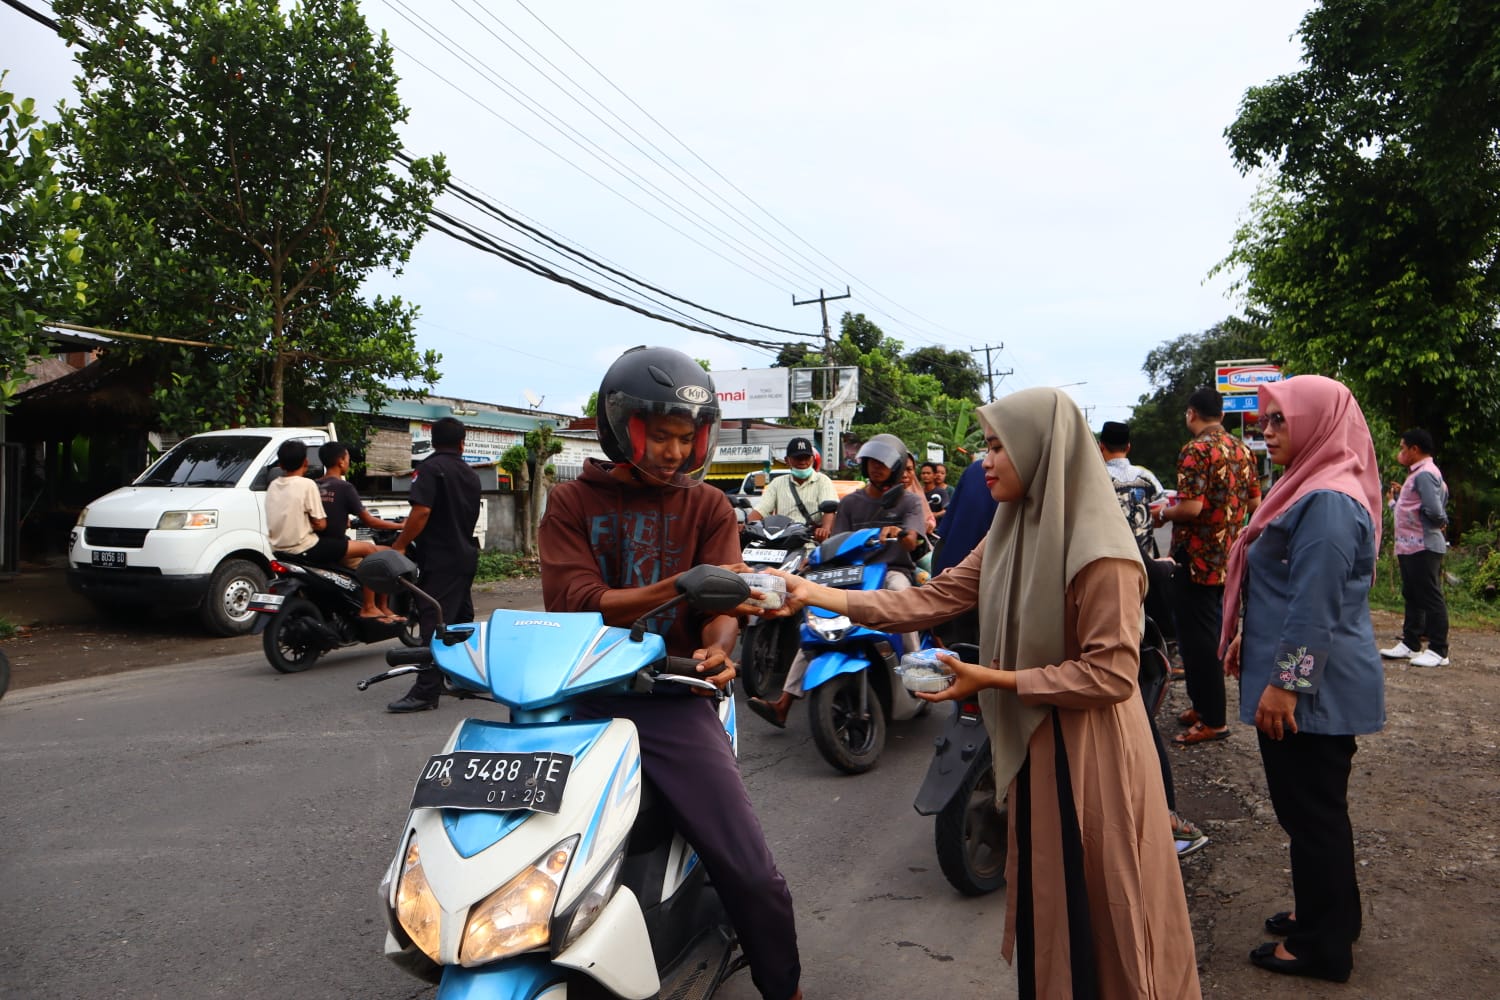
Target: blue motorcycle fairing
{"x":826,"y":666}
{"x":525,"y":977}
{"x":474,"y":830}
{"x":842,"y":545}
{"x":533,"y":659}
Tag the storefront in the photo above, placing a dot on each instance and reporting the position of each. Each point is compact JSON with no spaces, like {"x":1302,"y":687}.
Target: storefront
{"x":732,"y":461}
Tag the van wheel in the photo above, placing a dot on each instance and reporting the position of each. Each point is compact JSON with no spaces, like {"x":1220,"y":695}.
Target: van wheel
{"x":226,"y":606}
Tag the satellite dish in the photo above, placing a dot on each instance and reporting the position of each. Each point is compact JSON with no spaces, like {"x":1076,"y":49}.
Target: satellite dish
{"x":532,"y":399}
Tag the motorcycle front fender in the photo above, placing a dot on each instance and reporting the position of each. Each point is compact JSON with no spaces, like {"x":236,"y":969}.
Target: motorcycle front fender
{"x":826,"y":666}
{"x":957,"y":752}
{"x":526,"y":977}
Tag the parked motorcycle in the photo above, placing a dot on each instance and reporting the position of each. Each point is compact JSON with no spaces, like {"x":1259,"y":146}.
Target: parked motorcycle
{"x":851,"y":686}
{"x":310,"y":609}
{"x":970,"y":832}
{"x":768,"y":645}
{"x":536,"y":859}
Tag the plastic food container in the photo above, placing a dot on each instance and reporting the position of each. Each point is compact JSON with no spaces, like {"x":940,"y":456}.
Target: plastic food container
{"x":923,"y":671}
{"x":774,"y":587}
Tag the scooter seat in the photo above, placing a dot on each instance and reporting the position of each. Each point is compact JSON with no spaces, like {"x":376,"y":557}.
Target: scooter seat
{"x":301,"y":559}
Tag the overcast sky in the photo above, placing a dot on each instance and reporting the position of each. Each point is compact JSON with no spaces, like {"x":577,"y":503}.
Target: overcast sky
{"x":1049,"y":177}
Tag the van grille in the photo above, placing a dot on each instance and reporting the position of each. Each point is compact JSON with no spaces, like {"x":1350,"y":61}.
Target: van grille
{"x":119,"y":538}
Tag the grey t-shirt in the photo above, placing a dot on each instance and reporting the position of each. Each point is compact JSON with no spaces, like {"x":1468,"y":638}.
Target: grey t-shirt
{"x":860,"y":510}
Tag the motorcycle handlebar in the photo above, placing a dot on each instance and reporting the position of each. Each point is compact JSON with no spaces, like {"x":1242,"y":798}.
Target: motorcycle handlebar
{"x":685,"y":666}
{"x":405,"y":657}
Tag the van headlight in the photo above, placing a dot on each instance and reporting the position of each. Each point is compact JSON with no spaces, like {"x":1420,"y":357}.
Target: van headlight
{"x":517,"y":916}
{"x":83,"y":515}
{"x":174,"y":520}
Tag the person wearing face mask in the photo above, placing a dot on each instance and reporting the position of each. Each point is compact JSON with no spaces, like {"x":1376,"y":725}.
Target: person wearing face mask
{"x":798,"y":495}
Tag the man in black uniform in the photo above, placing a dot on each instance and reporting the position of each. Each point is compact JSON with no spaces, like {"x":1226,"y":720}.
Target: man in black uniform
{"x":444,"y":510}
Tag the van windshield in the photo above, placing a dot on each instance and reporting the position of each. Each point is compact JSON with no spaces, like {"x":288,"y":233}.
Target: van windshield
{"x":205,"y":461}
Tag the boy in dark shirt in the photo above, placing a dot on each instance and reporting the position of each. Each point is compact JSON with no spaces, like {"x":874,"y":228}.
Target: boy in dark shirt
{"x":340,"y":502}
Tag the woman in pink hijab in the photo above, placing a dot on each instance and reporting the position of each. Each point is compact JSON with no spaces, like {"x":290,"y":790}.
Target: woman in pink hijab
{"x":1310,"y":674}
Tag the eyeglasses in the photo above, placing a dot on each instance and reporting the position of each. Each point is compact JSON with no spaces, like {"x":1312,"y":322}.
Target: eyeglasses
{"x":1275,"y":421}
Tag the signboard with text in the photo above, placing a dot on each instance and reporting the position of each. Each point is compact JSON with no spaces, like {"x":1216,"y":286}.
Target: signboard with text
{"x":1241,"y":403}
{"x":1232,"y":377}
{"x":750,"y":393}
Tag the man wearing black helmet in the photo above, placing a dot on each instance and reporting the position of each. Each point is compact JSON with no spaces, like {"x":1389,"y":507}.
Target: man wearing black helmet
{"x":614,"y":541}
{"x":885,"y":504}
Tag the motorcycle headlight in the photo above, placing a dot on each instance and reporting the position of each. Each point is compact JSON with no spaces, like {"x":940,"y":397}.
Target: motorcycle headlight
{"x":594,"y":898}
{"x":517,"y":916}
{"x":174,"y":520}
{"x":832,"y":629}
{"x":416,"y":907}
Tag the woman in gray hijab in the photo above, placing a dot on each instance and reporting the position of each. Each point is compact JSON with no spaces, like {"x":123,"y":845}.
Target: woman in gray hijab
{"x":1095,"y":904}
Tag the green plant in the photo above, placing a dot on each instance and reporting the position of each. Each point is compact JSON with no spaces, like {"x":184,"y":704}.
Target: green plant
{"x":503,"y":566}
{"x":8,"y":628}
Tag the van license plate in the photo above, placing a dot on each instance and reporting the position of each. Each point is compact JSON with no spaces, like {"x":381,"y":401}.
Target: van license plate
{"x":102,"y":558}
{"x":471,"y":779}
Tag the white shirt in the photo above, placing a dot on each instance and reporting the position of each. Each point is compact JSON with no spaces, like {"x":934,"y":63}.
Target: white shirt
{"x":778,"y":497}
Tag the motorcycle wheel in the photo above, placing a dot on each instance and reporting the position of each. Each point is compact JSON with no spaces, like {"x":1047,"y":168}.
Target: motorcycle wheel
{"x":411,"y":633}
{"x":970,"y":834}
{"x":845,"y":740}
{"x":290,"y":647}
{"x":768,"y":651}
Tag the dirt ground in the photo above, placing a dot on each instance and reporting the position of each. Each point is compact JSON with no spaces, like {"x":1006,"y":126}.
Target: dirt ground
{"x":1423,"y":798}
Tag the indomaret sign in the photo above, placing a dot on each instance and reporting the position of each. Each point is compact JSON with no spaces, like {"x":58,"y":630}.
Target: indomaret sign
{"x":751,"y":393}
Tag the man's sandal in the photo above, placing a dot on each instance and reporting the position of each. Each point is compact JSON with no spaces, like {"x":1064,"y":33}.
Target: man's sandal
{"x":1199,"y":733}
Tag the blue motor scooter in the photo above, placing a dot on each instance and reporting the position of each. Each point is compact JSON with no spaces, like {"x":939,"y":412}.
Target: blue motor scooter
{"x":536,"y":860}
{"x":851,"y":683}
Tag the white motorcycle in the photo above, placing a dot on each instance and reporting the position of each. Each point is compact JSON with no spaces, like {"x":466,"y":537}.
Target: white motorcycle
{"x":534,"y":862}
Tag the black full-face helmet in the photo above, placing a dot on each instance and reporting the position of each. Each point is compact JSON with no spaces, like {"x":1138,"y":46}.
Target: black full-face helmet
{"x":657,"y":380}
{"x":888,"y":450}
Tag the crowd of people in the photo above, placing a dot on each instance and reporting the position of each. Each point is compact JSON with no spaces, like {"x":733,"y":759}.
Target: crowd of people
{"x":1036,"y":565}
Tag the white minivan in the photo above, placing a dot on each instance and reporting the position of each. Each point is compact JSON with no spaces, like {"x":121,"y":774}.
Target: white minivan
{"x":190,"y":531}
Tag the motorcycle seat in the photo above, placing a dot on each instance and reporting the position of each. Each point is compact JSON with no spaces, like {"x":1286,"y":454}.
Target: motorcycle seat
{"x":302,"y":560}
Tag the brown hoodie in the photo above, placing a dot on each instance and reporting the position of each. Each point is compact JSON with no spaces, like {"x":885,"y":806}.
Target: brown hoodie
{"x":601,"y":534}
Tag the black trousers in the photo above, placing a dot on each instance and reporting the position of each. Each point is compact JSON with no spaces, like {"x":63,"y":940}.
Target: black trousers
{"x":1426,"y":610}
{"x":688,"y":757}
{"x":1308,"y":776}
{"x":1199,"y":612}
{"x":451,"y":581}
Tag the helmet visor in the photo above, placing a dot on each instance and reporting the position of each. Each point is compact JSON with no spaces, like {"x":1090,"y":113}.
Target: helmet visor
{"x":671,"y":443}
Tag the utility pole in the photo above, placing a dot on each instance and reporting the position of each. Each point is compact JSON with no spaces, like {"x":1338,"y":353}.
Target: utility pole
{"x":823,"y":301}
{"x":989,"y":371}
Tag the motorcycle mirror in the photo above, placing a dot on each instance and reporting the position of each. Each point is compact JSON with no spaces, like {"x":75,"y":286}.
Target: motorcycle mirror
{"x":828,"y":507}
{"x":382,"y":571}
{"x":710,"y":588}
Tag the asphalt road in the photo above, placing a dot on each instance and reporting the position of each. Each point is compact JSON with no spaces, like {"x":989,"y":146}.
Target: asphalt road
{"x":213,"y":828}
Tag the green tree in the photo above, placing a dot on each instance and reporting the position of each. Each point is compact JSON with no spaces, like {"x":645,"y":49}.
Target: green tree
{"x":956,"y":370}
{"x":533,"y":476}
{"x":1175,"y":368}
{"x":258,"y":140}
{"x":1373,"y":248}
{"x":41,"y":252}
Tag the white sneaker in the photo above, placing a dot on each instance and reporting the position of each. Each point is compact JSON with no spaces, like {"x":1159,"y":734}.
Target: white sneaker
{"x":1399,"y":651}
{"x":1427,"y":658}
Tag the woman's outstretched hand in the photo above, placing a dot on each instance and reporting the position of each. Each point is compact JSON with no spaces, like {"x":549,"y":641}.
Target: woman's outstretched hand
{"x":972,"y":678}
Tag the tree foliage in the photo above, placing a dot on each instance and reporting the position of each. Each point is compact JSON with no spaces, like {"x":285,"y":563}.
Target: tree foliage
{"x":41,"y":252}
{"x":1374,"y":245}
{"x":1175,"y":369}
{"x":533,"y":476}
{"x":250,"y":145}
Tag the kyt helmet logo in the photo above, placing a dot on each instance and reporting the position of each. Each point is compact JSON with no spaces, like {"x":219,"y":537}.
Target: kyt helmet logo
{"x":695,"y":394}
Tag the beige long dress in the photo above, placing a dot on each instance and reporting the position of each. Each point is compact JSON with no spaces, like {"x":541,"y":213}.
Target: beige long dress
{"x":1142,"y":941}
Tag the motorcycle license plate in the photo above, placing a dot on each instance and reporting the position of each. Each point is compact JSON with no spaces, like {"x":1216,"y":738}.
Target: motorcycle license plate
{"x":102,"y":558}
{"x":473,"y":779}
{"x":773,"y":556}
{"x":838,"y":576}
{"x":266,"y":602}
